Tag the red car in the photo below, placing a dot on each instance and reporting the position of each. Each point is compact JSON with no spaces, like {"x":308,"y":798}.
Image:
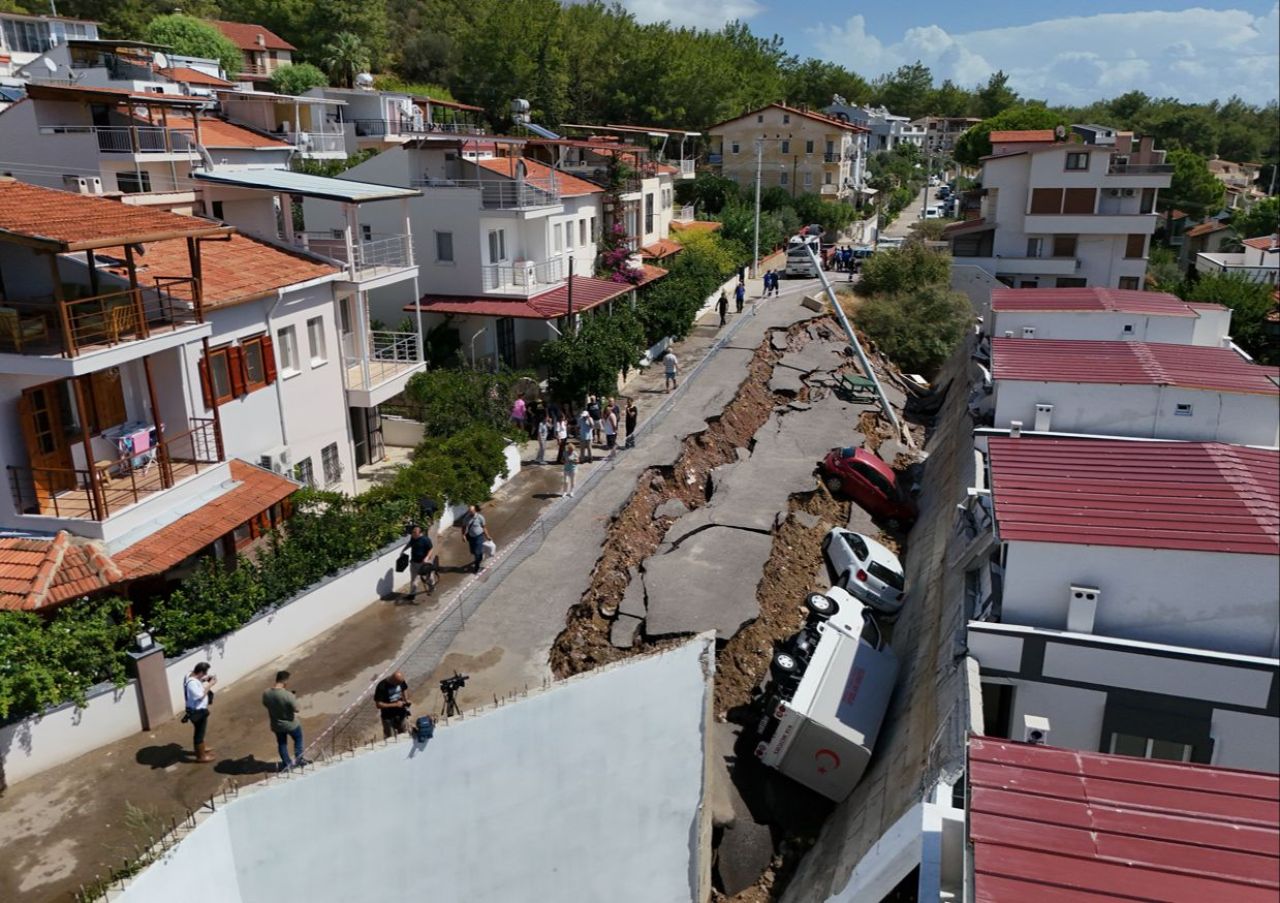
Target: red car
{"x":860,"y":476}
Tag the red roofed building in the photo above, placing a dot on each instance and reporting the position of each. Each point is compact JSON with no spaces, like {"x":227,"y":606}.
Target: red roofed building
{"x":1053,"y":824}
{"x":1258,"y":260}
{"x":1136,"y":389}
{"x":262,"y":50}
{"x":1161,"y":542}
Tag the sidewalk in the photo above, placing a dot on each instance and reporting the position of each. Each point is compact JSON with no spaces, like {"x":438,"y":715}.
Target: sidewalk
{"x":81,"y":819}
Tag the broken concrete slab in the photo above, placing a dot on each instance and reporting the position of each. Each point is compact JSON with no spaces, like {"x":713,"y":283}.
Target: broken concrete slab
{"x":778,"y":341}
{"x":743,"y":454}
{"x":812,"y":357}
{"x":786,"y":381}
{"x":806,"y":520}
{"x":672,"y":508}
{"x":624,"y":631}
{"x":890,"y":449}
{"x":813,"y":302}
{"x":707,"y":582}
{"x":633,"y":597}
{"x":860,"y":521}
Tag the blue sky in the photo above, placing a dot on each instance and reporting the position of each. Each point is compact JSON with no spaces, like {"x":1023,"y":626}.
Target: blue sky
{"x":1070,"y":54}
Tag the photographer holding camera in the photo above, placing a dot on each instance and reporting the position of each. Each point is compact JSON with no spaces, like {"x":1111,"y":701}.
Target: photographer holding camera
{"x":198,"y":692}
{"x":391,"y":696}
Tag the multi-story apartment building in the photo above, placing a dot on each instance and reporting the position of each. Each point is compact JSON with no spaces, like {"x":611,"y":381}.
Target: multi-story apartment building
{"x":263,"y":51}
{"x":885,"y":131}
{"x":1066,"y":213}
{"x":379,"y":119}
{"x":802,"y":152}
{"x":1106,"y":314}
{"x":24,"y":38}
{"x":941,"y":132}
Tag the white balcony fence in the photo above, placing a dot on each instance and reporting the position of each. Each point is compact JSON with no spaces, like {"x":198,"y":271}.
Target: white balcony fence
{"x":317,"y":142}
{"x":523,"y":276}
{"x":502,"y":194}
{"x":381,"y":251}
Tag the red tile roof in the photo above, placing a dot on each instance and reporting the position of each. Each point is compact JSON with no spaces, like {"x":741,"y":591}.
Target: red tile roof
{"x":233,"y":271}
{"x":588,"y":292}
{"x":1199,"y":496}
{"x":570,"y":186}
{"x":218,"y":133}
{"x":1262,"y":242}
{"x":1131,"y":363}
{"x":964,"y":227}
{"x":187,"y":76}
{"x":1051,"y":824}
{"x":1205,"y":228}
{"x":40,"y":573}
{"x":1119,"y":300}
{"x":1024,"y":136}
{"x":245,"y":35}
{"x":257,"y":491}
{"x":807,"y":114}
{"x":698,"y":225}
{"x":48,"y":217}
{"x":663,"y":247}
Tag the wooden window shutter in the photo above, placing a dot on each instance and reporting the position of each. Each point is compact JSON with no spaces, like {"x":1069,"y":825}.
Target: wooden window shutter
{"x":235,"y":368}
{"x":206,"y":384}
{"x":268,"y":359}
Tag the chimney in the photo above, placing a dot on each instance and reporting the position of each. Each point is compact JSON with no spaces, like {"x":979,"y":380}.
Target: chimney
{"x":261,"y":40}
{"x":1015,"y":429}
{"x":1082,"y":608}
{"x":1044,"y":414}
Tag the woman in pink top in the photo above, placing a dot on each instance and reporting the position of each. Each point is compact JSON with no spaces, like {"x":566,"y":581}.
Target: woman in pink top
{"x":518,"y":411}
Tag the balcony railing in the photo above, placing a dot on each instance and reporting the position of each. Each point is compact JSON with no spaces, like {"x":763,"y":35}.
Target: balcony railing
{"x":131,"y":139}
{"x":317,"y":142}
{"x":389,"y":355}
{"x":378,"y":128}
{"x":1139,"y":169}
{"x":501,"y":194}
{"x":380,"y":252}
{"x":74,"y":326}
{"x":683,"y":214}
{"x":523,"y":276}
{"x":96,"y":493}
{"x":687,"y":169}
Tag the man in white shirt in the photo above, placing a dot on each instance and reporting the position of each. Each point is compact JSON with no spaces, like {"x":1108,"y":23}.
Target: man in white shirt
{"x":671,"y":365}
{"x":198,"y":691}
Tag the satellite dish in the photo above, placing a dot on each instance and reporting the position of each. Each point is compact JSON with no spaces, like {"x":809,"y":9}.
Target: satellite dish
{"x":364,"y":80}
{"x":1060,"y":132}
{"x":161,"y":61}
{"x":49,"y":64}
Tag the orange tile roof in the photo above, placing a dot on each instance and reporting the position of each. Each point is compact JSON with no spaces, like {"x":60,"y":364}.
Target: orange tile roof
{"x":220,"y":133}
{"x":48,"y":217}
{"x":1262,"y":242}
{"x":1023,"y":136}
{"x":808,"y":114}
{"x":188,"y":76}
{"x":40,"y":573}
{"x":245,"y":35}
{"x":663,"y":247}
{"x":236,"y":270}
{"x":699,"y":225}
{"x":1205,"y":228}
{"x":570,"y":186}
{"x":257,"y":491}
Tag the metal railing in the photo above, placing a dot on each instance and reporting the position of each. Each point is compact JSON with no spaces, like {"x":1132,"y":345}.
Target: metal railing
{"x":96,"y":493}
{"x":378,"y":128}
{"x":502,"y":194}
{"x":683,"y":214}
{"x":386,"y":357}
{"x":1139,"y":169}
{"x":687,"y":169}
{"x":76,"y":325}
{"x":382,"y":251}
{"x":320,"y":142}
{"x":522,"y":276}
{"x":131,"y":139}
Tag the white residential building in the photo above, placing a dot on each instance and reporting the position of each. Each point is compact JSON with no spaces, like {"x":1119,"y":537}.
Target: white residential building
{"x":1135,"y":389}
{"x":1259,"y":261}
{"x":885,"y":131}
{"x":1065,"y":213}
{"x":1107,"y":314}
{"x":312,"y":126}
{"x":24,"y":38}
{"x":379,"y":119}
{"x":1160,"y":542}
{"x":941,"y":132}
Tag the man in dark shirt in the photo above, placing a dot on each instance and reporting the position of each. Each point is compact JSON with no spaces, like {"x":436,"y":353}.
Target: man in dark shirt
{"x":422,"y":564}
{"x":391,"y":696}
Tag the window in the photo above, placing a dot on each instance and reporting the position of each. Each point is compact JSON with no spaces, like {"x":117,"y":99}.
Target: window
{"x":330,"y":464}
{"x":303,"y":473}
{"x":216,"y":377}
{"x":497,"y":245}
{"x":1035,"y":246}
{"x":782,"y":178}
{"x":26,"y":37}
{"x":444,"y":247}
{"x":568,"y":235}
{"x":1135,"y":246}
{"x":1129,"y":282}
{"x":1046,"y":200}
{"x":315,"y":340}
{"x":1079,"y":200}
{"x":288,"y":340}
{"x":1149,"y":748}
{"x":808,"y":147}
{"x":759,"y":117}
{"x":582,"y":231}
{"x":648,"y":213}
{"x":1127,"y":329}
{"x":733,"y":148}
{"x":786,"y":147}
{"x":595,"y":236}
{"x":217,"y":211}
{"x":1182,"y":410}
{"x":826,"y":178}
{"x":808,"y":180}
{"x":133,"y":182}
{"x":1064,"y":246}
{"x":258,"y":362}
{"x":557,"y":239}
{"x":1078,"y":162}
{"x":1072,"y":282}
{"x":786,"y":118}
{"x":105,"y":403}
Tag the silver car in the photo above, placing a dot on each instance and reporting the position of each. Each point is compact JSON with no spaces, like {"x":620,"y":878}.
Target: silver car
{"x":865,"y":569}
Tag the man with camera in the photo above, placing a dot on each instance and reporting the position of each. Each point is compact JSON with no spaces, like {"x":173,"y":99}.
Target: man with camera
{"x":391,"y":696}
{"x":197,"y":689}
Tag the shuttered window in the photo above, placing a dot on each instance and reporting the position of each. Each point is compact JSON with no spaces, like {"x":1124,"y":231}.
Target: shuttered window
{"x":1046,"y":200}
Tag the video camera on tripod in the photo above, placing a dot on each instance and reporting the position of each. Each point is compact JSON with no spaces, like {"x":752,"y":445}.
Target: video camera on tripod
{"x":449,"y":687}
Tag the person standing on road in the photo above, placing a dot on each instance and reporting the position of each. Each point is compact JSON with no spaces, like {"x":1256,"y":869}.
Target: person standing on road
{"x":570,"y":470}
{"x":544,"y":432}
{"x":740,"y":295}
{"x":519,"y":410}
{"x":585,"y":430}
{"x":282,"y":709}
{"x":422,"y":566}
{"x":476,"y":532}
{"x":633,"y":417}
{"x":671,"y":366}
{"x":610,"y":428}
{"x":597,"y":428}
{"x":723,"y":306}
{"x":562,"y":436}
{"x":197,"y":689}
{"x":391,"y":697}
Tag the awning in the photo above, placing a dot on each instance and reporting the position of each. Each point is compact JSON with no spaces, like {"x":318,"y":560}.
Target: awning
{"x":967,"y":227}
{"x":663,"y":247}
{"x":588,"y":292}
{"x":322,"y":187}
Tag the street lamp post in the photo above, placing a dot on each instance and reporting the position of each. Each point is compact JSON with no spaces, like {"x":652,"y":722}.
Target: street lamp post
{"x":755,"y":269}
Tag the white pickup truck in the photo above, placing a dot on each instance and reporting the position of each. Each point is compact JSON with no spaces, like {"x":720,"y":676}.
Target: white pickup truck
{"x":828,"y":694}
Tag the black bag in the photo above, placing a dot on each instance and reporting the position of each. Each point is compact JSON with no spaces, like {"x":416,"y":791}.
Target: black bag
{"x":402,"y":562}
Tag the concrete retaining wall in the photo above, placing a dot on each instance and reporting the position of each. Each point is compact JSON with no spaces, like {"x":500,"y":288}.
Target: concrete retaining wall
{"x":401,"y":432}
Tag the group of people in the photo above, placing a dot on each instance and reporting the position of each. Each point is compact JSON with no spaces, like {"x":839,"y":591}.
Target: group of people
{"x":739,"y":298}
{"x":771,"y":278}
{"x":844,"y":260}
{"x":599,"y":423}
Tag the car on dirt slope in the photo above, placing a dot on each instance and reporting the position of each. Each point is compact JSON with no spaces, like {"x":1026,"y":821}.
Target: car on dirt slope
{"x":866,"y":569}
{"x":861,"y":477}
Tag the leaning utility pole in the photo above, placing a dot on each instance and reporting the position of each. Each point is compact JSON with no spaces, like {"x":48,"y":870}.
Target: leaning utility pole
{"x":755,"y":268}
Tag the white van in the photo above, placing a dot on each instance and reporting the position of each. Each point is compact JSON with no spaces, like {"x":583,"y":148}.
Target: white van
{"x":827,"y":697}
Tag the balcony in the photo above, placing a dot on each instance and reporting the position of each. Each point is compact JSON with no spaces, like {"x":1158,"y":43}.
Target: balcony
{"x":498,"y":194}
{"x":317,"y":144}
{"x":1090,"y":223}
{"x":685,"y":214}
{"x":380,"y":370}
{"x":135,"y":140}
{"x":1234,"y":264}
{"x":80,"y":327}
{"x":110,"y":487}
{"x":382,"y":128}
{"x":1140,"y":169}
{"x":523,"y":277}
{"x":1023,"y":266}
{"x":381,"y":255}
{"x":687,"y":170}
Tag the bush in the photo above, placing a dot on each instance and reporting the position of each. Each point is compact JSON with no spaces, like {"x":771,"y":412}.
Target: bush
{"x":448,"y":401}
{"x":190,"y":36}
{"x":1250,"y":303}
{"x":458,"y":469}
{"x":918,"y":328}
{"x":297,"y":78}
{"x":588,"y":362}
{"x":904,"y":269}
{"x":668,"y":306}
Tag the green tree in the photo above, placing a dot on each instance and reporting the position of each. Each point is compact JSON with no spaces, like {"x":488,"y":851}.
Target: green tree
{"x":907,"y":91}
{"x":192,"y":37}
{"x":297,"y":78}
{"x":995,"y":97}
{"x":975,"y":143}
{"x":949,"y":99}
{"x":815,"y":82}
{"x":1250,"y":302}
{"x":917,"y":328}
{"x":588,"y":362}
{"x":447,"y":401}
{"x":1263,"y":218}
{"x":904,"y":270}
{"x":1193,"y":187}
{"x":708,"y":192}
{"x":345,"y":57}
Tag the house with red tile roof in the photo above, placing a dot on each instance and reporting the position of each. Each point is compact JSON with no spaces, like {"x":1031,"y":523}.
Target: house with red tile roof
{"x":262,"y":50}
{"x":1257,"y":260}
{"x":1108,"y":314}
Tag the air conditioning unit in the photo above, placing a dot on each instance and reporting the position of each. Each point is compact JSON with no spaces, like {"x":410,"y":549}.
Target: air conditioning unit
{"x":524,"y":273}
{"x":1044,"y":413}
{"x":1130,"y":192}
{"x":277,"y":460}
{"x":1082,"y":609}
{"x":1035,"y":729}
{"x":84,"y":184}
{"x":1113,"y":192}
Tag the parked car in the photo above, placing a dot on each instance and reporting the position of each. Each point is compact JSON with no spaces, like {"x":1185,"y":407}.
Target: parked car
{"x":943,"y":193}
{"x":863,"y":478}
{"x":866,"y":568}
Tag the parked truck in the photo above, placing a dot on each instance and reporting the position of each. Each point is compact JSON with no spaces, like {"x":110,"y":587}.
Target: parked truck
{"x":827,"y":695}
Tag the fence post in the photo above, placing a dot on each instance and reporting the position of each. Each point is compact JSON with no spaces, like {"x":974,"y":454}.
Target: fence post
{"x":154,"y":704}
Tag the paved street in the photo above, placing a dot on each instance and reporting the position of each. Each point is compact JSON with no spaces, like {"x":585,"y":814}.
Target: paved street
{"x":900,"y":227}
{"x":65,"y":826}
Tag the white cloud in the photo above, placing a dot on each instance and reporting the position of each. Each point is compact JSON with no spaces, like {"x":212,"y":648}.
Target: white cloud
{"x":1194,"y":54}
{"x":711,"y":14}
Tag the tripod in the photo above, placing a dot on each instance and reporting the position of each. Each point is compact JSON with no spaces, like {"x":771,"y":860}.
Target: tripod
{"x":450,"y":701}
